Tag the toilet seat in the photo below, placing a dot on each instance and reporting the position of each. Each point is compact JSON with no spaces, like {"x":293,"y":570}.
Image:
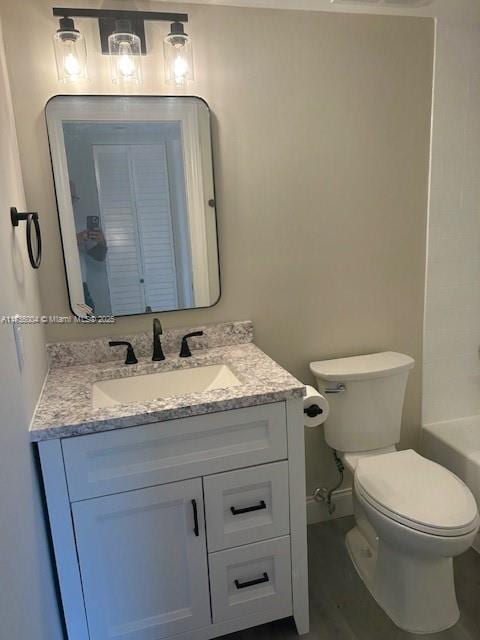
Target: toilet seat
{"x":417,"y":492}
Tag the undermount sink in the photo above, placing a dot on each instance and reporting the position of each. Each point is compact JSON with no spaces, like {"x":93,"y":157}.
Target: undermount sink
{"x":153,"y":386}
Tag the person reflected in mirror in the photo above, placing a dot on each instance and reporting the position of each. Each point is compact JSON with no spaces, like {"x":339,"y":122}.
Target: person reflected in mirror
{"x":97,"y":250}
{"x":91,"y":243}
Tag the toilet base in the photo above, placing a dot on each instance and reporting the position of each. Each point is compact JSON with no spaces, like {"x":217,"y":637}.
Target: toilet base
{"x":418,"y":594}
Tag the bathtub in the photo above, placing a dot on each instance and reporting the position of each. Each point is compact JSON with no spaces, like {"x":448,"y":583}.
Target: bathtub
{"x":456,"y":445}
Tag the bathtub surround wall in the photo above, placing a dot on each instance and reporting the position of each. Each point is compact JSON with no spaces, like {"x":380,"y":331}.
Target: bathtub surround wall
{"x":321,"y":147}
{"x":28,"y":607}
{"x":451,"y":374}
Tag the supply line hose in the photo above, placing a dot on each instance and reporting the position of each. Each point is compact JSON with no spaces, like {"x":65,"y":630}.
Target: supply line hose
{"x":325,"y":495}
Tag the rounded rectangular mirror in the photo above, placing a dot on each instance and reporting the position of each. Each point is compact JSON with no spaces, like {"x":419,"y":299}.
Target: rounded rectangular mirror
{"x":136,"y":202}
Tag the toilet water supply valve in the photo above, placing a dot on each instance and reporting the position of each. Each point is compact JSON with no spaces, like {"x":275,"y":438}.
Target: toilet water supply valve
{"x":323,"y":494}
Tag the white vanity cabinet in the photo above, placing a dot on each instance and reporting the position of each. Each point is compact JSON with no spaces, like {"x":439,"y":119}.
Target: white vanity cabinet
{"x":143,"y":562}
{"x":189,"y":529}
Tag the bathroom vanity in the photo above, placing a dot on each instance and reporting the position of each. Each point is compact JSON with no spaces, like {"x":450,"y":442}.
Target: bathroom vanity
{"x":181,"y":516}
{"x":175,"y":488}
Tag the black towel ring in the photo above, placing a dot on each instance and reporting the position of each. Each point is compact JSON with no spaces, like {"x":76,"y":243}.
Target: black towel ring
{"x":30,"y":217}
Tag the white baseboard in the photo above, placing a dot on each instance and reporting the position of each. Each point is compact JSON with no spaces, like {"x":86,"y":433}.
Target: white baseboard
{"x":318,"y":512}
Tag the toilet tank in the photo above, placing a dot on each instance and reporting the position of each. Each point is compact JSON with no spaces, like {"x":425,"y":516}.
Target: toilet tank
{"x":366,"y":410}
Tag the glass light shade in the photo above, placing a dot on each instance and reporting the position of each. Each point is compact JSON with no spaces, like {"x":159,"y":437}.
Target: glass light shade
{"x":125,"y":52}
{"x":178,"y":59}
{"x":70,"y":56}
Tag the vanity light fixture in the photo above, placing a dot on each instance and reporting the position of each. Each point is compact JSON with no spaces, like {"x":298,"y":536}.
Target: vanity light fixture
{"x":178,"y":56}
{"x":122,"y":37}
{"x":70,"y":52}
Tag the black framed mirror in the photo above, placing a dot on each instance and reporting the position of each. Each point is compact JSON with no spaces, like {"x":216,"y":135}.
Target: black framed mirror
{"x":136,"y":202}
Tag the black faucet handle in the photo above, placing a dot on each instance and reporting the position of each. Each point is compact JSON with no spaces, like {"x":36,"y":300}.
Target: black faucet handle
{"x":185,"y":349}
{"x":131,"y":358}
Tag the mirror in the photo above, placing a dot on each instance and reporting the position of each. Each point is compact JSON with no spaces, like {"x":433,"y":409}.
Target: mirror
{"x":136,"y":203}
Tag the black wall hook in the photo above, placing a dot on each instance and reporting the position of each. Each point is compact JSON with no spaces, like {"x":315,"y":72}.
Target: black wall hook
{"x":32,"y":218}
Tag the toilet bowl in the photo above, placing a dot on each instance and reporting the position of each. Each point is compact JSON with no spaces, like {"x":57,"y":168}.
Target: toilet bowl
{"x":412,"y":516}
{"x":422,"y":517}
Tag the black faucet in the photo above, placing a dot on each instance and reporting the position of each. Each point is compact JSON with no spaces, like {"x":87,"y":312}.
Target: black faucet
{"x":157,"y":345}
{"x":185,"y":350}
{"x":130,"y":359}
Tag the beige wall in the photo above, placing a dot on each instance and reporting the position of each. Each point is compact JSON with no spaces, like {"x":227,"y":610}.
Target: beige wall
{"x":321,"y":136}
{"x":28,"y":607}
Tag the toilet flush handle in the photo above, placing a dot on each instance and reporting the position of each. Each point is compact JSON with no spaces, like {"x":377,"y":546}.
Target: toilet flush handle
{"x":339,"y":388}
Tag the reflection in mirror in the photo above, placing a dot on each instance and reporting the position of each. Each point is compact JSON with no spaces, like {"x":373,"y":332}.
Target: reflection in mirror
{"x":135,"y":193}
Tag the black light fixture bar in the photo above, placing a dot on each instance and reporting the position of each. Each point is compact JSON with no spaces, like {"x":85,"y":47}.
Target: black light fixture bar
{"x":119,"y":14}
{"x":107,"y":21}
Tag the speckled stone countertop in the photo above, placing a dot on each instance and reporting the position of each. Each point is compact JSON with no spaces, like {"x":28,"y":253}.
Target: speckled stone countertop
{"x":65,"y":408}
{"x":94,"y":351}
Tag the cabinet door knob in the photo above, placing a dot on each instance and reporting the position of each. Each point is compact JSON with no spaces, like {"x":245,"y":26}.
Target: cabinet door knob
{"x":195,"y":518}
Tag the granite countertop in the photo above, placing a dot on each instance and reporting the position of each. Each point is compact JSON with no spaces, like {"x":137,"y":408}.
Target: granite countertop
{"x":65,"y":407}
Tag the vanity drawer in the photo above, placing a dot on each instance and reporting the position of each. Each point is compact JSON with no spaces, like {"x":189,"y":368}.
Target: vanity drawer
{"x":252,"y":578}
{"x":246,"y":505}
{"x":136,"y":457}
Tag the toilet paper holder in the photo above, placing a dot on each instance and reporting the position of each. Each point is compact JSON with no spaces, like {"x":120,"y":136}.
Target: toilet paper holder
{"x":313,"y":411}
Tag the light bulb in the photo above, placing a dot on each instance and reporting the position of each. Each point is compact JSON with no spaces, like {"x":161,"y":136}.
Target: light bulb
{"x":125,"y":64}
{"x":72,"y":66}
{"x":70,"y":52}
{"x":178,"y":56}
{"x":180,"y":69}
{"x":124,"y":49}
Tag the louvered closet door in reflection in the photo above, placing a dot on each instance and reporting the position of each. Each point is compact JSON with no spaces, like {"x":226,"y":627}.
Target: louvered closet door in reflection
{"x":134,"y":198}
{"x":116,"y":200}
{"x":154,"y":215}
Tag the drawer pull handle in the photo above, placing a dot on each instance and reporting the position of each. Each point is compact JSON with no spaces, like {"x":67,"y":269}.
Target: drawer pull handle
{"x":251,"y":583}
{"x":257,"y":507}
{"x":195,"y":518}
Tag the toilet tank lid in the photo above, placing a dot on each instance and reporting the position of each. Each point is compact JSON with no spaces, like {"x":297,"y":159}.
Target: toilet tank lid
{"x":374,"y":365}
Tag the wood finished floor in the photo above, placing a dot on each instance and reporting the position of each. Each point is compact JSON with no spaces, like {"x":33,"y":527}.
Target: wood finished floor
{"x":341,"y":608}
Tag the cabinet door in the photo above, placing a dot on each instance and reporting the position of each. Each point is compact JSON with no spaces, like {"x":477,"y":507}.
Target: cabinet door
{"x":143,"y":562}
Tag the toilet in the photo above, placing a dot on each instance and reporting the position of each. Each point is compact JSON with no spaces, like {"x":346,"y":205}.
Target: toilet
{"x":412,"y":516}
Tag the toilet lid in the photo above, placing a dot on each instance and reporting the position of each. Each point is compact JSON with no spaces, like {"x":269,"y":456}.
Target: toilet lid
{"x":417,"y":492}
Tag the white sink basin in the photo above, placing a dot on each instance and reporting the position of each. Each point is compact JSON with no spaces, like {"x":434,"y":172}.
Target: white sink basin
{"x":152,"y":386}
